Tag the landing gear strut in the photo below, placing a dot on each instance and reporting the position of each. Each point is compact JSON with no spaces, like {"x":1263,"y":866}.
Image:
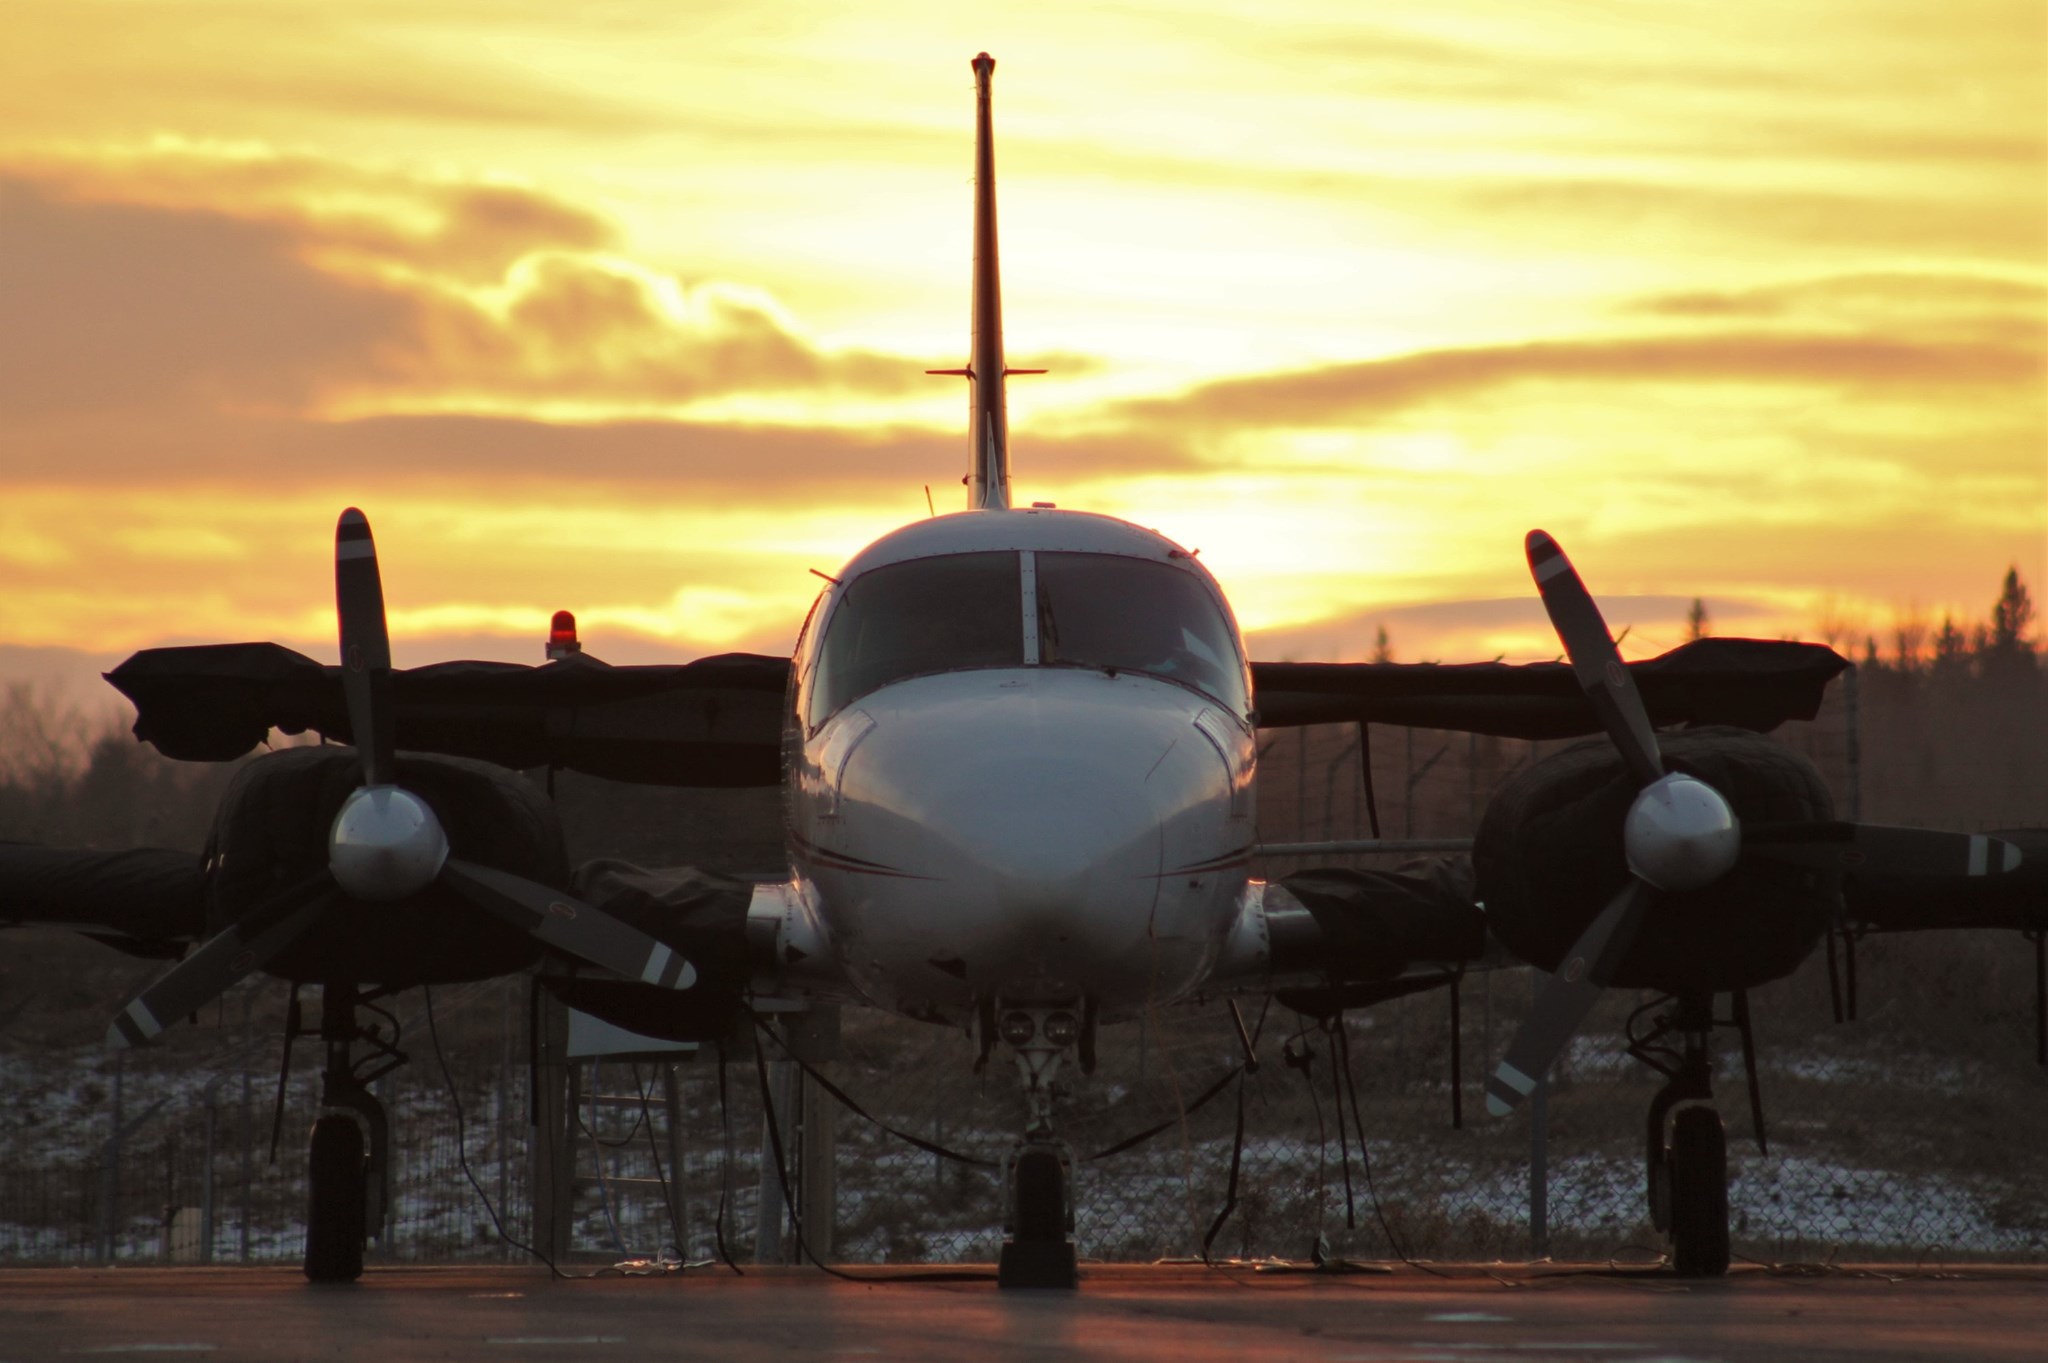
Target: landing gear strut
{"x":349,"y":1157}
{"x":1038,"y":1221}
{"x":1688,"y":1171}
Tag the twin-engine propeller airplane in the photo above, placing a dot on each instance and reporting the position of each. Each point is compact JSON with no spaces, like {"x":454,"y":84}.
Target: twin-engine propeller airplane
{"x":1016,"y":746}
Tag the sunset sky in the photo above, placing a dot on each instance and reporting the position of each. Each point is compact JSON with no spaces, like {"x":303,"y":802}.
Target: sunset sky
{"x":624,"y":307}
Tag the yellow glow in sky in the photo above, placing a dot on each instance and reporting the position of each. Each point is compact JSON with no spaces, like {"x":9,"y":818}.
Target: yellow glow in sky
{"x":624,"y":308}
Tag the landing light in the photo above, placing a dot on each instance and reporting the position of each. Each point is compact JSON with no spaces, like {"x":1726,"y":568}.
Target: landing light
{"x":1017,"y":1029}
{"x":1061,"y":1029}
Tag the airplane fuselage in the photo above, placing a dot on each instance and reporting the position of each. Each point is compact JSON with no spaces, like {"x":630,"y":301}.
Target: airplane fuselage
{"x":1019,"y":758}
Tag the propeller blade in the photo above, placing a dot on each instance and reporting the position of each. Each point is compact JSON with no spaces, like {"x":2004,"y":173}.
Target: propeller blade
{"x":365,"y":646}
{"x":1876,"y":849}
{"x":224,"y":960}
{"x":570,"y":926}
{"x":1567,"y":997}
{"x":1595,"y":659}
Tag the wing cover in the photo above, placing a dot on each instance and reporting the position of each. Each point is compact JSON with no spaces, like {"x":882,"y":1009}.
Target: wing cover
{"x":1908,"y":903}
{"x":147,"y":901}
{"x":1754,"y":684}
{"x":713,"y":722}
{"x":700,"y":914}
{"x":1375,"y":930}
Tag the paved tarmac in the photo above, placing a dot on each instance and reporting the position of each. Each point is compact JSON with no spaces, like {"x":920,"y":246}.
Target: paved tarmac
{"x":1469,"y":1314}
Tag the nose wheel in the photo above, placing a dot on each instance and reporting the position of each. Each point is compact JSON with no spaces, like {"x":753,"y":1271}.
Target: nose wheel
{"x":1038,"y":1224}
{"x":1038,"y":1234}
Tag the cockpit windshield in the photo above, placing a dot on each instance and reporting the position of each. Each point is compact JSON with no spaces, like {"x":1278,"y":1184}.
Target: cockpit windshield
{"x":1133,"y":614}
{"x":924,"y":615}
{"x":956,"y":612}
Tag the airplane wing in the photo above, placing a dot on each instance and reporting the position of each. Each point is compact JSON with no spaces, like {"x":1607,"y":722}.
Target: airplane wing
{"x":1343,"y":938}
{"x":717,"y":722}
{"x":713,"y":722}
{"x":1754,"y":684}
{"x":146,"y":901}
{"x":1917,"y":902}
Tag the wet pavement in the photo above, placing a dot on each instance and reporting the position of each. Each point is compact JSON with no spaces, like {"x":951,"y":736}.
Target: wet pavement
{"x":1465,"y":1314}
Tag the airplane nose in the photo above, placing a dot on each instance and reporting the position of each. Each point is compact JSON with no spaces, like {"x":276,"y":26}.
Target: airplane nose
{"x":1034,"y":821}
{"x":1051,"y":834}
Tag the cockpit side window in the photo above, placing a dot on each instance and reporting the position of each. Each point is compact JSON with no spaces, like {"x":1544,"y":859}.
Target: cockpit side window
{"x":908,"y":619}
{"x":1106,"y":610}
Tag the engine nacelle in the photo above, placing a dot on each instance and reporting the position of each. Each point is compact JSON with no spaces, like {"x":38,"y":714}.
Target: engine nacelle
{"x":295,"y":813}
{"x":1552,"y":851}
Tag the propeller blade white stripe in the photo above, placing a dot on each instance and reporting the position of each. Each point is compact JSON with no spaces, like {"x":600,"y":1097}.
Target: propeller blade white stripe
{"x":657,"y":961}
{"x":1515,"y":1079}
{"x":1980,"y":854}
{"x":142,"y":1026}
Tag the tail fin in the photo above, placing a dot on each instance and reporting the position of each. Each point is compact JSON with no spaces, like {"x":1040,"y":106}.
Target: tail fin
{"x":988,"y":470}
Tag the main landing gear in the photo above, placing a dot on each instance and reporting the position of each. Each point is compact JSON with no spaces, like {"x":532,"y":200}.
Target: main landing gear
{"x":1687,"y":1148}
{"x":349,"y":1158}
{"x":1038,"y":1213}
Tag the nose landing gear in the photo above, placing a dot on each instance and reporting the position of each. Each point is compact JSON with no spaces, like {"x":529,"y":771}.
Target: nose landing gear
{"x":1038,"y":1222}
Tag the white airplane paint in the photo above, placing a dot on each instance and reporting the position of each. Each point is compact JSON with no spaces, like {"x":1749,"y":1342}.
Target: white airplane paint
{"x":1018,"y":752}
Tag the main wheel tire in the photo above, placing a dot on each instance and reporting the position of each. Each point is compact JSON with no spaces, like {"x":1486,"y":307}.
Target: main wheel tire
{"x":337,"y":1201}
{"x":1699,"y":1194}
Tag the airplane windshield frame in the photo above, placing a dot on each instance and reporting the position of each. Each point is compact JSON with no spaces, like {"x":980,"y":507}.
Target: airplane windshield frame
{"x":947,"y":613}
{"x":1126,"y":614}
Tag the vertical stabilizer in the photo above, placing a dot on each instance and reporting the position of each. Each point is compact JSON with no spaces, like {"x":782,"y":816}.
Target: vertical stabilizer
{"x":988,"y":459}
{"x":988,"y":470}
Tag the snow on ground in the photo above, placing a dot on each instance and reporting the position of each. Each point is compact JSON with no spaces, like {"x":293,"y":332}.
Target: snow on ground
{"x":894,"y":1203}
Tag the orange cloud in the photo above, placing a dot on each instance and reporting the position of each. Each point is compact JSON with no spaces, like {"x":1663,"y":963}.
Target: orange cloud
{"x":289,"y":285}
{"x":1370,"y":389}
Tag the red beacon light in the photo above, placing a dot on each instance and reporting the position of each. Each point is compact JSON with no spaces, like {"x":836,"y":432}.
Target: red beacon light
{"x":562,"y":641}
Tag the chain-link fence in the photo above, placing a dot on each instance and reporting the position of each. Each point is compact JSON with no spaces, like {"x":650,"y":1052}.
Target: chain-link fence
{"x":1909,"y":1133}
{"x":1887,"y":1139}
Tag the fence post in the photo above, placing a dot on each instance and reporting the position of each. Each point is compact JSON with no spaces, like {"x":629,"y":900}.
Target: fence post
{"x":1539,"y":1145}
{"x":1539,"y":1170}
{"x":246,"y":1134}
{"x":206,"y":1174}
{"x":818,"y":1189}
{"x":1408,"y":784}
{"x":1852,"y":722}
{"x":554,"y":1146}
{"x":773,"y":1210}
{"x":110,"y":1168}
{"x":678,"y":1204}
{"x":502,"y":1109}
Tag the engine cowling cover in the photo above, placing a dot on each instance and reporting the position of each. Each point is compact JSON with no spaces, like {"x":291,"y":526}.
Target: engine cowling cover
{"x":272,"y":829}
{"x":1549,"y":857}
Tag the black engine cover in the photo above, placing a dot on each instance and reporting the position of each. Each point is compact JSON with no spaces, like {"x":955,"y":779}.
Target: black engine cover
{"x":271,"y":831}
{"x":1549,"y":857}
